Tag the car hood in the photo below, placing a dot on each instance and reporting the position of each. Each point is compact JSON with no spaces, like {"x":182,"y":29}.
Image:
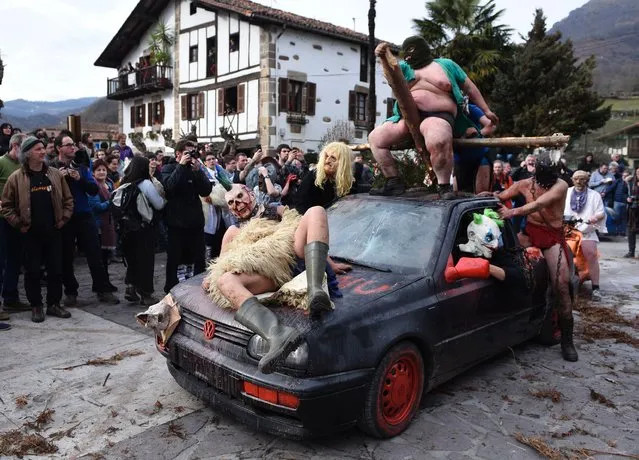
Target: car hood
{"x":359,"y":287}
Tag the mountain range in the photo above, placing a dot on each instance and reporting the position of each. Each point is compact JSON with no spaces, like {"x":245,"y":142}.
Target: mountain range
{"x":28,"y":115}
{"x":609,"y":30}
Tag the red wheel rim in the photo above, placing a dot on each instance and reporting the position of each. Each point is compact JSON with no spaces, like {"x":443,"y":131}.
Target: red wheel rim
{"x":400,"y":389}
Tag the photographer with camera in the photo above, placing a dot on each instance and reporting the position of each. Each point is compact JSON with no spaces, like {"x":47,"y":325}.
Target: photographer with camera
{"x":81,"y":227}
{"x":184,"y":182}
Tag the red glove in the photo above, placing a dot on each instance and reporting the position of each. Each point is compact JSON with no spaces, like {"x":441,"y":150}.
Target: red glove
{"x":468,"y":267}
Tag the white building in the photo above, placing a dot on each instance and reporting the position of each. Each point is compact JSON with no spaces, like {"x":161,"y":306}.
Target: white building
{"x":263,"y":74}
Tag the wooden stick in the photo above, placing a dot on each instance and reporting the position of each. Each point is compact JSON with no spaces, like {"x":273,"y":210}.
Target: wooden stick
{"x":407,"y":106}
{"x":544,"y":141}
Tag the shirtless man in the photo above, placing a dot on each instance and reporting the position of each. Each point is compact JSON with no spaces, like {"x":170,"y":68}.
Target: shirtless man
{"x":545,"y":196}
{"x":436,"y":86}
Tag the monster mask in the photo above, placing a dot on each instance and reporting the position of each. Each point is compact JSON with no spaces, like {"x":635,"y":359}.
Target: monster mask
{"x":484,"y":235}
{"x":241,"y":201}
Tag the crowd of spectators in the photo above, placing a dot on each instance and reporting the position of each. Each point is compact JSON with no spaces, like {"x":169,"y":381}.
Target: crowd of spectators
{"x":61,"y":198}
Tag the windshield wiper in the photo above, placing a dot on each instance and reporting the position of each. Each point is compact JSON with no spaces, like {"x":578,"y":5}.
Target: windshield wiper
{"x":360,"y":264}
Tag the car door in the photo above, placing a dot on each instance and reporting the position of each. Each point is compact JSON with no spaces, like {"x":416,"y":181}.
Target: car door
{"x":491,"y":315}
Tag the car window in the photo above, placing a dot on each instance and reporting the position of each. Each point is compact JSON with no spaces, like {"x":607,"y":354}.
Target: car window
{"x":461,"y":237}
{"x":396,"y":235}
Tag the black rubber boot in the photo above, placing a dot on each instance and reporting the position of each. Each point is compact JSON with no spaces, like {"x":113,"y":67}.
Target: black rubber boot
{"x":282,"y":340}
{"x":315,"y":254}
{"x":445,"y":191}
{"x":393,"y":186}
{"x":568,"y":350}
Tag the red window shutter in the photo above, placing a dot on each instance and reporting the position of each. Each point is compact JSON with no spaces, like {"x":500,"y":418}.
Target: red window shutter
{"x":310,"y":98}
{"x":185,"y":107}
{"x":241,"y":95}
{"x":220,"y":102}
{"x":161,"y":120}
{"x":200,"y":105}
{"x":283,"y":95}
{"x":132,"y":116}
{"x":150,"y":110}
{"x":352,"y":100}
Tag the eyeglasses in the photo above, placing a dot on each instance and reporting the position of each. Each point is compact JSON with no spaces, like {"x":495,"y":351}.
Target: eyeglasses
{"x":68,"y":145}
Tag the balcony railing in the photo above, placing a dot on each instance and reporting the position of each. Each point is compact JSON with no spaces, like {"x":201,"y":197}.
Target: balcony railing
{"x":141,"y":81}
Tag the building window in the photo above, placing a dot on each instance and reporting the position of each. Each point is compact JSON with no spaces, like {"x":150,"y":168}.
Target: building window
{"x":211,"y":56}
{"x":192,"y":106}
{"x":357,"y":107}
{"x":193,"y":8}
{"x":231,"y":100}
{"x":193,"y":53}
{"x":156,"y":113}
{"x":297,"y":97}
{"x":138,"y":116}
{"x":234,"y":42}
{"x":363,"y":64}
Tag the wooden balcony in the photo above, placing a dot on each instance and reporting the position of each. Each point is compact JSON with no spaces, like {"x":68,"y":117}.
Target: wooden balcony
{"x":143,"y":81}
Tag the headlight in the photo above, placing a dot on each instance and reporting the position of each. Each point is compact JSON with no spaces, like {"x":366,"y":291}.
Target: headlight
{"x":297,"y":359}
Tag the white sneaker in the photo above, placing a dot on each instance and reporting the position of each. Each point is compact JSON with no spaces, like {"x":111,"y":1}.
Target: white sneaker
{"x":596,"y":295}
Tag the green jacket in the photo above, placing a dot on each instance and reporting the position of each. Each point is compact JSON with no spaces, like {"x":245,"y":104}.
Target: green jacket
{"x":7,"y":167}
{"x":456,"y":77}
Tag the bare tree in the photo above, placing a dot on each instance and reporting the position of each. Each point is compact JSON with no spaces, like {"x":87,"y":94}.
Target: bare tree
{"x":372,"y":106}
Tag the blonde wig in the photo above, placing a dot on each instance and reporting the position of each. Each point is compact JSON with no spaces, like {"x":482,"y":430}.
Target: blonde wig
{"x":344,"y":174}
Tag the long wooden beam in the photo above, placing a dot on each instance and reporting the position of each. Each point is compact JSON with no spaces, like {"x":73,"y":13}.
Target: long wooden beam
{"x":525,"y":142}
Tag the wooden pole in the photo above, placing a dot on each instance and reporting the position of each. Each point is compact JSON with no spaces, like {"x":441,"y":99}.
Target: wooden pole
{"x":407,"y":106}
{"x":525,"y":142}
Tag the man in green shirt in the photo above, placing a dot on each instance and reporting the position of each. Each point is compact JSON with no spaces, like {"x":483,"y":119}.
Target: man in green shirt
{"x":10,"y":238}
{"x":438,"y":87}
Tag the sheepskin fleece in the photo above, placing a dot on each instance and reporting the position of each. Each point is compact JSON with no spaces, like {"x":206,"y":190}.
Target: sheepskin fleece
{"x":264,"y":247}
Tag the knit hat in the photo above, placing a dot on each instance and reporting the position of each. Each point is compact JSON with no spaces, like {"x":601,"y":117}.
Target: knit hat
{"x":29,"y":143}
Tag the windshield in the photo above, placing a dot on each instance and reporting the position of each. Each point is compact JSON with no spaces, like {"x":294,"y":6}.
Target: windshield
{"x":395,"y":235}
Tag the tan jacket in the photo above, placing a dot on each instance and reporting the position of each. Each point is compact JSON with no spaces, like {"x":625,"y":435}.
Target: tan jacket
{"x":16,"y":199}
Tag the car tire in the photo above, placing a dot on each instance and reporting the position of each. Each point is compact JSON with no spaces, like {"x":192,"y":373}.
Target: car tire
{"x":395,"y":393}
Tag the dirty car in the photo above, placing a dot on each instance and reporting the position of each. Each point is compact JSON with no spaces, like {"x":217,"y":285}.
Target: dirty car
{"x":398,"y":331}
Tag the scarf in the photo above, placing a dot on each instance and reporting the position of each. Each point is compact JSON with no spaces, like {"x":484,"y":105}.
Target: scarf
{"x":578,"y":200}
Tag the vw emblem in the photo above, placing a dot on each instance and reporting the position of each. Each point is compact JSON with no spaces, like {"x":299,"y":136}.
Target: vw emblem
{"x":209,"y":329}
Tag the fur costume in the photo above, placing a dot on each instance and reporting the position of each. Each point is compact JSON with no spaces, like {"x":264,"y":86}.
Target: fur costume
{"x":263,"y":246}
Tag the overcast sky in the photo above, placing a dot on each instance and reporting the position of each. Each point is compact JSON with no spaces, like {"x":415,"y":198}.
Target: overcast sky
{"x":49,"y":46}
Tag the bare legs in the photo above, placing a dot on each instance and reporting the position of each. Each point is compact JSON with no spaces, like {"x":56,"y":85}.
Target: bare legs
{"x":438,"y":135}
{"x":381,"y":139}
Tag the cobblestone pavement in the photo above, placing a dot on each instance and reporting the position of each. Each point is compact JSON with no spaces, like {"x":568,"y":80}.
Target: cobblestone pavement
{"x":588,"y":408}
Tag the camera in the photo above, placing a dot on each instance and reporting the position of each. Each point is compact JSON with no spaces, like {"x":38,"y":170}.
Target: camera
{"x":74,"y":165}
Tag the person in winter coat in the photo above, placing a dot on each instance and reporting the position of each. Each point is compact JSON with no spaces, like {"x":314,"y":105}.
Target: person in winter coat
{"x":184,"y":182}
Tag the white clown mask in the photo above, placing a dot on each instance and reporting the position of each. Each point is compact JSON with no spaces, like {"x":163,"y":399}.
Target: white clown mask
{"x":484,"y":235}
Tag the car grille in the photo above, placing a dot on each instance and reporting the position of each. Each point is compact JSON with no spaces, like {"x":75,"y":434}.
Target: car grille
{"x":205,"y":370}
{"x":222,"y":331}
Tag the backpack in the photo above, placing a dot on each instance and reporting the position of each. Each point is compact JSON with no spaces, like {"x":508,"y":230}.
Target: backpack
{"x":125,"y":202}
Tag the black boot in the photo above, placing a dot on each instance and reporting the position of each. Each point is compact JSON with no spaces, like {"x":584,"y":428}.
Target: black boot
{"x":632,"y":241}
{"x":393,"y":186}
{"x":37,"y":314}
{"x":568,"y":350}
{"x":130,"y":294}
{"x":282,"y":340}
{"x":445,"y":191}
{"x":315,"y":254}
{"x":56,"y":310}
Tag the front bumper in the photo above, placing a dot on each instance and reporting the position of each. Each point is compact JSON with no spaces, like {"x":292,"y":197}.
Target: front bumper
{"x":327,"y":404}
